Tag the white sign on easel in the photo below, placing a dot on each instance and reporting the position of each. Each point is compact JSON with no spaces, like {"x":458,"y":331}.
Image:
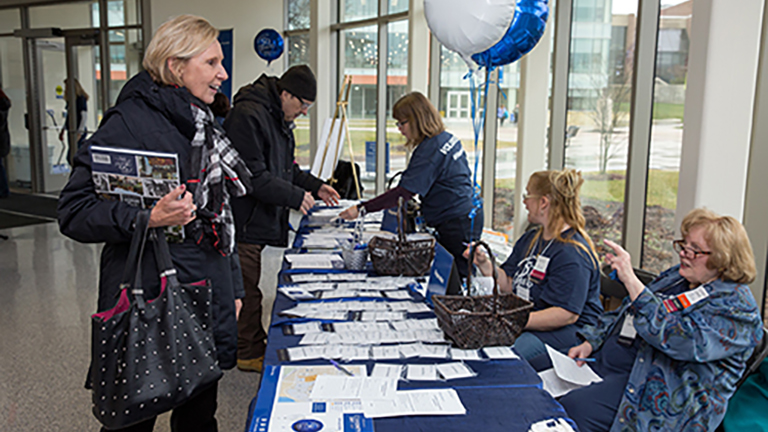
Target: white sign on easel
{"x":329,"y":150}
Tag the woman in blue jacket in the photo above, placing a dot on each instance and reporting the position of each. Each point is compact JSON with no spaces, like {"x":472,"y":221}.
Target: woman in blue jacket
{"x":671,"y":355}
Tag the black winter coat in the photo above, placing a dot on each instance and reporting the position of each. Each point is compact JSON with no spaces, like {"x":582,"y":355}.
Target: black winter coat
{"x":258,"y":130}
{"x":5,"y":136}
{"x":154,"y":118}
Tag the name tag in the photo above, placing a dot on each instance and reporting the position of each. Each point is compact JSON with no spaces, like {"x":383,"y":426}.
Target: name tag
{"x":686,"y":299}
{"x":524,"y":293}
{"x":628,"y":332}
{"x":540,"y":268}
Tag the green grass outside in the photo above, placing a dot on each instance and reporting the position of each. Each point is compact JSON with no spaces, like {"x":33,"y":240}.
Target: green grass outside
{"x":662,"y":111}
{"x":662,"y":188}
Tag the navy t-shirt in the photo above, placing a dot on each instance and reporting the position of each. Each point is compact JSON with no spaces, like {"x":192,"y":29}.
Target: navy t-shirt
{"x":440,"y":174}
{"x":571,"y":281}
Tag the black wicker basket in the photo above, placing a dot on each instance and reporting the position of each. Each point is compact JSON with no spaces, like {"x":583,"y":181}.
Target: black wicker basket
{"x":481,"y":321}
{"x":395,"y":257}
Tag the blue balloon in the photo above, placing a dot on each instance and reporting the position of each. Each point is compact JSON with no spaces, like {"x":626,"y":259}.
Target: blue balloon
{"x":268,"y":44}
{"x":523,"y":34}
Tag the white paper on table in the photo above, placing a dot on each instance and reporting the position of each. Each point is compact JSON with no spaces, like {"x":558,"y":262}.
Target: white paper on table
{"x":386,"y":352}
{"x":554,"y":385}
{"x":416,"y":402}
{"x":410,"y":350}
{"x":434,"y":351}
{"x":383,"y":370}
{"x":307,"y":328}
{"x":355,"y":352}
{"x":353,"y":387}
{"x":312,"y":260}
{"x":421,"y":373}
{"x":398,"y":295}
{"x":455,"y":370}
{"x":460,"y":354}
{"x":309,"y":277}
{"x":498,"y":353}
{"x":551,"y":425}
{"x":567,"y":369}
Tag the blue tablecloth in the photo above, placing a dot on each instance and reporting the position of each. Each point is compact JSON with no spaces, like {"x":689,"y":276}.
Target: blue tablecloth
{"x":505,"y":395}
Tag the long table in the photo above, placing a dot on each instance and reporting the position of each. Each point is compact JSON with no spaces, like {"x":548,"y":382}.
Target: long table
{"x":505,"y":395}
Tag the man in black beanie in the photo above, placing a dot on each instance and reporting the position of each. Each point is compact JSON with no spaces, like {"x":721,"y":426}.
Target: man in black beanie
{"x":260,"y":126}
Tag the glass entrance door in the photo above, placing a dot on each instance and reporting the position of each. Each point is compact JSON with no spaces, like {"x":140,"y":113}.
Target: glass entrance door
{"x":58,"y":116}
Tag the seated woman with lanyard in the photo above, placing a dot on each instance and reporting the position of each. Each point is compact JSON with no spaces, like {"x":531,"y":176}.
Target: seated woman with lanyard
{"x":554,"y":266}
{"x":438,"y":172}
{"x":671,"y":355}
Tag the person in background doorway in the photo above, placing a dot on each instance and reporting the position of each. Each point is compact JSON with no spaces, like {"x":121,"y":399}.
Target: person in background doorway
{"x":220,"y":107}
{"x":81,"y":102}
{"x":260,"y":125}
{"x":5,"y":143}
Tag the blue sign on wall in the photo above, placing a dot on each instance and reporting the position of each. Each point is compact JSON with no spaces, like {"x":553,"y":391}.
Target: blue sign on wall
{"x":370,"y":157}
{"x":225,"y":39}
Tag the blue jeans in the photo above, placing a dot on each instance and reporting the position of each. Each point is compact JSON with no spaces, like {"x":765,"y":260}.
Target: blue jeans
{"x":530,"y":345}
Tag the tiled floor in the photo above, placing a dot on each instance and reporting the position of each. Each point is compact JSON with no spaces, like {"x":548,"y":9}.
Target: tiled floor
{"x":47,"y":294}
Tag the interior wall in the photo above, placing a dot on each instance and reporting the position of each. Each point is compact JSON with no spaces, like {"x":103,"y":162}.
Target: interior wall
{"x":247,"y":18}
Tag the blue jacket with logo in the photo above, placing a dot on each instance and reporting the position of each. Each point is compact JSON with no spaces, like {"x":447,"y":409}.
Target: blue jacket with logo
{"x":688,"y":361}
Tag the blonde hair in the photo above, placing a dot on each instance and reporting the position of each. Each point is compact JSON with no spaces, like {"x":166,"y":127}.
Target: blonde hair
{"x":562,"y":189}
{"x":726,"y":237}
{"x":79,"y":90}
{"x":178,"y":39}
{"x":417,"y":110}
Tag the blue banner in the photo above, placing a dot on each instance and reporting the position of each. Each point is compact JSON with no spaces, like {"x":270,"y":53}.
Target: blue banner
{"x":370,"y":157}
{"x":225,"y":39}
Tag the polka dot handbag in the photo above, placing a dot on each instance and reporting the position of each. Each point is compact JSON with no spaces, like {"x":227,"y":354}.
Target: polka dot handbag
{"x":149,"y":356}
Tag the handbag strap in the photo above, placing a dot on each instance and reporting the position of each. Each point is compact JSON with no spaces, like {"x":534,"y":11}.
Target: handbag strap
{"x":132,"y":268}
{"x":472,"y":249}
{"x":163,"y":256}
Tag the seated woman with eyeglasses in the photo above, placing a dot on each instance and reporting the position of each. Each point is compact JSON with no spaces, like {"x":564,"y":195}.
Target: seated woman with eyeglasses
{"x":555,"y":266}
{"x":438,"y":172}
{"x":671,"y":355}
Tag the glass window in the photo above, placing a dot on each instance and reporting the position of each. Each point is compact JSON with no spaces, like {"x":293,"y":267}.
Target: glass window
{"x":298,"y":14}
{"x":506,"y":148}
{"x":10,"y":20}
{"x":354,"y":10}
{"x":12,"y":78}
{"x":360,"y":61}
{"x":598,"y":112}
{"x":396,"y":6}
{"x":64,"y":16}
{"x":455,"y":105}
{"x":397,"y":85}
{"x":122,"y":12}
{"x":666,"y":139}
{"x":298,"y":53}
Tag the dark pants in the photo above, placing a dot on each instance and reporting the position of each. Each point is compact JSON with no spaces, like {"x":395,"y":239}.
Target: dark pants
{"x":4,"y":191}
{"x":454,"y":235}
{"x":250,"y":332}
{"x":196,"y":415}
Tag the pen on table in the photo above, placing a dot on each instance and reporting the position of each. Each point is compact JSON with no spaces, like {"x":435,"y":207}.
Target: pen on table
{"x":341,"y":368}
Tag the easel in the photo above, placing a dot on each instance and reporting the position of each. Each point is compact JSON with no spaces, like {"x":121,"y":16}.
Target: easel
{"x":341,"y":113}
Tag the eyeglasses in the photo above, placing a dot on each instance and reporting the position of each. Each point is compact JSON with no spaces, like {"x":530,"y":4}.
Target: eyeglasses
{"x":304,"y":105}
{"x":526,"y":195}
{"x":687,"y":251}
{"x":401,"y":123}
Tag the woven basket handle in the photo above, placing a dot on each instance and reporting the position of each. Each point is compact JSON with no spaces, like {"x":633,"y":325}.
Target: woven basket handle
{"x":400,"y":222}
{"x":472,"y":249}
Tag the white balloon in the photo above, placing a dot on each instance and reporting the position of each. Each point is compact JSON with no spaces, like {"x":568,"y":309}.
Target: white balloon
{"x":469,"y":26}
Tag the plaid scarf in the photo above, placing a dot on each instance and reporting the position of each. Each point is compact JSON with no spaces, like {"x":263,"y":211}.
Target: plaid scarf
{"x":220,"y":173}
